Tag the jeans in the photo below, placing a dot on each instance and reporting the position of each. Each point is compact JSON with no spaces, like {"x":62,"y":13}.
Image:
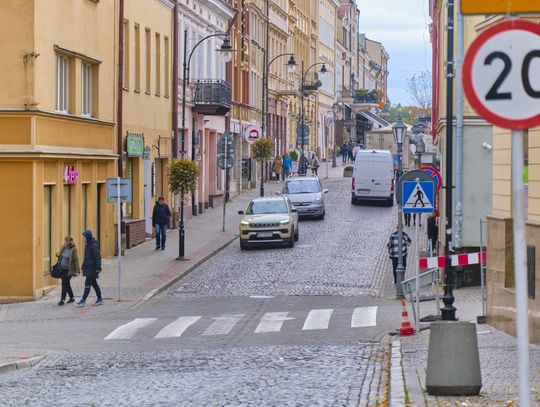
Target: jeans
{"x":395,"y":261}
{"x":161,"y":235}
{"x":88,"y":283}
{"x":314,"y":170}
{"x":286,"y":173}
{"x":66,"y":286}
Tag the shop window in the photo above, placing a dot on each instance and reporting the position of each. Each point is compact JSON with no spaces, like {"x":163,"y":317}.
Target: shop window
{"x":100,"y":193}
{"x":62,"y":83}
{"x":47,"y":229}
{"x":86,"y":89}
{"x":85,"y":206}
{"x":66,"y":211}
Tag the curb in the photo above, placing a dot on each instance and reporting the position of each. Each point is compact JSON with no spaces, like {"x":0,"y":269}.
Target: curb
{"x":397,"y":381}
{"x":21,"y":364}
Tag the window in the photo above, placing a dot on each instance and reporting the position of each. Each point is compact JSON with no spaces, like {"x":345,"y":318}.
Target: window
{"x":125,"y":82}
{"x":137,"y":54}
{"x":47,"y":228}
{"x":158,"y":63}
{"x":148,"y":59}
{"x":66,"y":211}
{"x":62,"y":83}
{"x":166,"y":62}
{"x":86,"y":89}
{"x":129,"y":174}
{"x":85,"y":206}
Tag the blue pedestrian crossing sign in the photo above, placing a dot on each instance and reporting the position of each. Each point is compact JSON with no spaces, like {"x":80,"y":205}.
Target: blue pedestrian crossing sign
{"x":418,"y":197}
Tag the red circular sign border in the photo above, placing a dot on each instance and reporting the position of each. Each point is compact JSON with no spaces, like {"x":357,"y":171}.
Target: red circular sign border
{"x":474,"y":100}
{"x":436,"y":174}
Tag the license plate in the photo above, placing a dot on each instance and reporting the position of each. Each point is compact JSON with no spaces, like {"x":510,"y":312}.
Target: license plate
{"x":265,"y":234}
{"x":363,"y":191}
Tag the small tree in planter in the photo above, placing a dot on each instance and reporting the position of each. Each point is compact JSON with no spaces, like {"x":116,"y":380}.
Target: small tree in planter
{"x":294,"y":155}
{"x":262,"y":151}
{"x":183,"y":179}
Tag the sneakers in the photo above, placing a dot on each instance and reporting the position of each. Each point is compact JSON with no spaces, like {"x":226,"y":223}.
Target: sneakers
{"x":71,"y":300}
{"x":61,"y":302}
{"x":157,"y":247}
{"x":99,"y":301}
{"x":81,"y":303}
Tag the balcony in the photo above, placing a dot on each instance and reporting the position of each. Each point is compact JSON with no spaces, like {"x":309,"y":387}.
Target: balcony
{"x":212,"y":97}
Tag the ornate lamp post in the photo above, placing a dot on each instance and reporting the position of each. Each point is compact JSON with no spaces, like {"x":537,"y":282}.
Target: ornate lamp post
{"x":303,"y":161}
{"x":400,"y":132}
{"x":291,"y":67}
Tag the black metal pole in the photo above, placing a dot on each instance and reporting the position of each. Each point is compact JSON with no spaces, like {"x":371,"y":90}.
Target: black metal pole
{"x":448,"y":311}
{"x":182,"y":245}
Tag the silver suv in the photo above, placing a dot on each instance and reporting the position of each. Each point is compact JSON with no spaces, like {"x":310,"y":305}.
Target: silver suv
{"x":306,"y":195}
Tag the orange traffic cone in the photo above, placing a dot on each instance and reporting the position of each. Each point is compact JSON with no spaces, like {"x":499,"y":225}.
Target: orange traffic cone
{"x":406,"y":328}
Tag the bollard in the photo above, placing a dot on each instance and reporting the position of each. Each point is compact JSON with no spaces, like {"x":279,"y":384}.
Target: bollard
{"x":453,"y":366}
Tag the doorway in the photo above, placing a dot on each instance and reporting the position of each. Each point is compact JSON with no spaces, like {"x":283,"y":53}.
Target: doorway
{"x":147,"y":191}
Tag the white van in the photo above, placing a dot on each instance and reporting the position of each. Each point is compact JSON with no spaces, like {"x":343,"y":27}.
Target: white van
{"x":373,"y":177}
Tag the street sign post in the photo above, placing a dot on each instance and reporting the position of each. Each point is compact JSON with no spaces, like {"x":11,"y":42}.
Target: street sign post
{"x":501,"y":76}
{"x":225,"y":150}
{"x":435,"y":174}
{"x":118,"y":192}
{"x":418,"y":197}
{"x":410,"y":176}
{"x":499,"y":6}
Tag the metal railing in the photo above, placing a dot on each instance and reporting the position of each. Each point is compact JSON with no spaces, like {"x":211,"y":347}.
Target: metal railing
{"x":216,"y":92}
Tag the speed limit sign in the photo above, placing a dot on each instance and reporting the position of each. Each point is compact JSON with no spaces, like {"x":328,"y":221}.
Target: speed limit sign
{"x":501,"y":74}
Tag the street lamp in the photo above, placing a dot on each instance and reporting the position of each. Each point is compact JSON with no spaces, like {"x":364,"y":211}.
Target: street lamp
{"x":322,"y":72}
{"x":291,"y":67}
{"x":400,"y":132}
{"x":226,"y":52}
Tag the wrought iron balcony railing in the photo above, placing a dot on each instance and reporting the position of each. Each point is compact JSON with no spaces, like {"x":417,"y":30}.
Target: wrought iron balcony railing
{"x":212,"y":96}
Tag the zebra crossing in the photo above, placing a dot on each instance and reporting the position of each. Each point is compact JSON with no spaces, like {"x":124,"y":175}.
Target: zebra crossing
{"x":315,"y":320}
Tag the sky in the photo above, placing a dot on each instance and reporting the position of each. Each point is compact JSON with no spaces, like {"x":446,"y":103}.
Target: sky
{"x":402,"y":27}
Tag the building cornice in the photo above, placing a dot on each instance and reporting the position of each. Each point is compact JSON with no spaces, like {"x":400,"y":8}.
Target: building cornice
{"x":167,"y":3}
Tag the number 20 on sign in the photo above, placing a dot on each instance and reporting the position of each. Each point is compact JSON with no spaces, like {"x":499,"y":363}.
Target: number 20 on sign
{"x":501,"y":74}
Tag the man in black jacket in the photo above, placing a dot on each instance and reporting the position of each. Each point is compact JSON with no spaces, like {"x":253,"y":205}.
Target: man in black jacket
{"x":91,"y":268}
{"x":160,"y":220}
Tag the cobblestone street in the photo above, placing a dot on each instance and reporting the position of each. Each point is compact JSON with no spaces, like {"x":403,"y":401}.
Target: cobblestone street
{"x":268,"y":327}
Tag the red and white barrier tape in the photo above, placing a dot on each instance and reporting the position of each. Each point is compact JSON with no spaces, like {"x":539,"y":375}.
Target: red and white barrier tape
{"x":457,"y":260}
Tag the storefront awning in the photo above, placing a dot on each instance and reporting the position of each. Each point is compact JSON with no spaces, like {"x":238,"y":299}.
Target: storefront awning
{"x":375,"y":119}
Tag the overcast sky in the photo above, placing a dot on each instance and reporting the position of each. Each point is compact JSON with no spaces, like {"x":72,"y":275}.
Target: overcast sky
{"x":402,"y":27}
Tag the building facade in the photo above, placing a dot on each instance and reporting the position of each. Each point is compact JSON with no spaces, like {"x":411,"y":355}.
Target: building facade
{"x":58,"y":143}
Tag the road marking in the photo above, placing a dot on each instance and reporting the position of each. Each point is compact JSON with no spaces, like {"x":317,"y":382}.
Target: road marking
{"x":318,"y":319}
{"x":176,"y":328}
{"x":3,"y":311}
{"x":126,"y":331}
{"x":261,"y":296}
{"x":272,"y":322}
{"x":223,"y":325}
{"x":364,"y":316}
{"x":150,"y":294}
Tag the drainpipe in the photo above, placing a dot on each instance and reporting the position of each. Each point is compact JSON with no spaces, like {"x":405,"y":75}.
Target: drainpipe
{"x":120,"y":89}
{"x":175,"y":83}
{"x":459,"y":132}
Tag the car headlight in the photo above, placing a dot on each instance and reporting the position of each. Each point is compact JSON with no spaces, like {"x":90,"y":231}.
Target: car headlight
{"x":317,"y":200}
{"x":244,"y":223}
{"x":284,"y":222}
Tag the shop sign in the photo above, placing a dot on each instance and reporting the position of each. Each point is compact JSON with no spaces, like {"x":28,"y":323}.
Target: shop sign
{"x":135,"y":145}
{"x":71,"y":175}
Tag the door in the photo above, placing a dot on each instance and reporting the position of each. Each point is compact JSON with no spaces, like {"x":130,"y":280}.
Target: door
{"x":147,"y":191}
{"x":382,"y":173}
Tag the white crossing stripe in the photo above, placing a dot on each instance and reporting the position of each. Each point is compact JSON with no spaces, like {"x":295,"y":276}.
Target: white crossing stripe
{"x":272,"y":322}
{"x":318,"y":319}
{"x":176,"y":328}
{"x":126,"y":331}
{"x":363,"y":317}
{"x":223,"y":325}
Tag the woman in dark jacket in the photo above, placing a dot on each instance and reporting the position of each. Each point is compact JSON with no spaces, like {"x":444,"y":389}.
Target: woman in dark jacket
{"x":69,"y":264}
{"x":91,"y":267}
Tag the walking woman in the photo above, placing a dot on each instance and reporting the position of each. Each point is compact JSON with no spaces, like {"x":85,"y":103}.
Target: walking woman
{"x":315,"y":164}
{"x":91,"y":268}
{"x":69,"y":263}
{"x":278,"y":163}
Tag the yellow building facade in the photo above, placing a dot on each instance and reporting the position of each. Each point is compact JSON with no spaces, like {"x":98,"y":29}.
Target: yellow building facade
{"x":57,"y":135}
{"x":147,"y":110}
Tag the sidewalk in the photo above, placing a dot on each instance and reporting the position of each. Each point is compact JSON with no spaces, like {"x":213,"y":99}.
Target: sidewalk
{"x":498,"y":357}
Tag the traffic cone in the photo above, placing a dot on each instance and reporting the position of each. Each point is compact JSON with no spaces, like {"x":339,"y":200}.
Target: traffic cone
{"x":406,"y":328}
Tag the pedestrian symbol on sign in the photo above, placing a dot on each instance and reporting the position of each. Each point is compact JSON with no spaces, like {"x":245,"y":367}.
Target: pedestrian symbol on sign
{"x":418,"y":197}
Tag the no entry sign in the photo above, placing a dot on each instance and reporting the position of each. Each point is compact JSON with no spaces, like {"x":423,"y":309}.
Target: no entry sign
{"x":501,"y":74}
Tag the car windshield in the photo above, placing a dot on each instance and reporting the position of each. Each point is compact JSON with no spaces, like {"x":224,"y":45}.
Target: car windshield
{"x":302,"y":187}
{"x":261,"y":207}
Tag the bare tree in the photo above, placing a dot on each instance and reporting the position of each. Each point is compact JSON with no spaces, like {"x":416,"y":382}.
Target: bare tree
{"x":419,"y":89}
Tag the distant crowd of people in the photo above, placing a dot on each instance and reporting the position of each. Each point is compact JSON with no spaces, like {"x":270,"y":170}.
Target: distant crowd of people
{"x":282,"y":167}
{"x":348,"y":151}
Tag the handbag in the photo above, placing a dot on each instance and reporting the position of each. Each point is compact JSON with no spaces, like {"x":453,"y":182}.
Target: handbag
{"x":56,"y":271}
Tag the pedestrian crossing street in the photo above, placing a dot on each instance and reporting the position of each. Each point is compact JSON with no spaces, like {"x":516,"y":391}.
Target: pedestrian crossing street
{"x":315,"y":320}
